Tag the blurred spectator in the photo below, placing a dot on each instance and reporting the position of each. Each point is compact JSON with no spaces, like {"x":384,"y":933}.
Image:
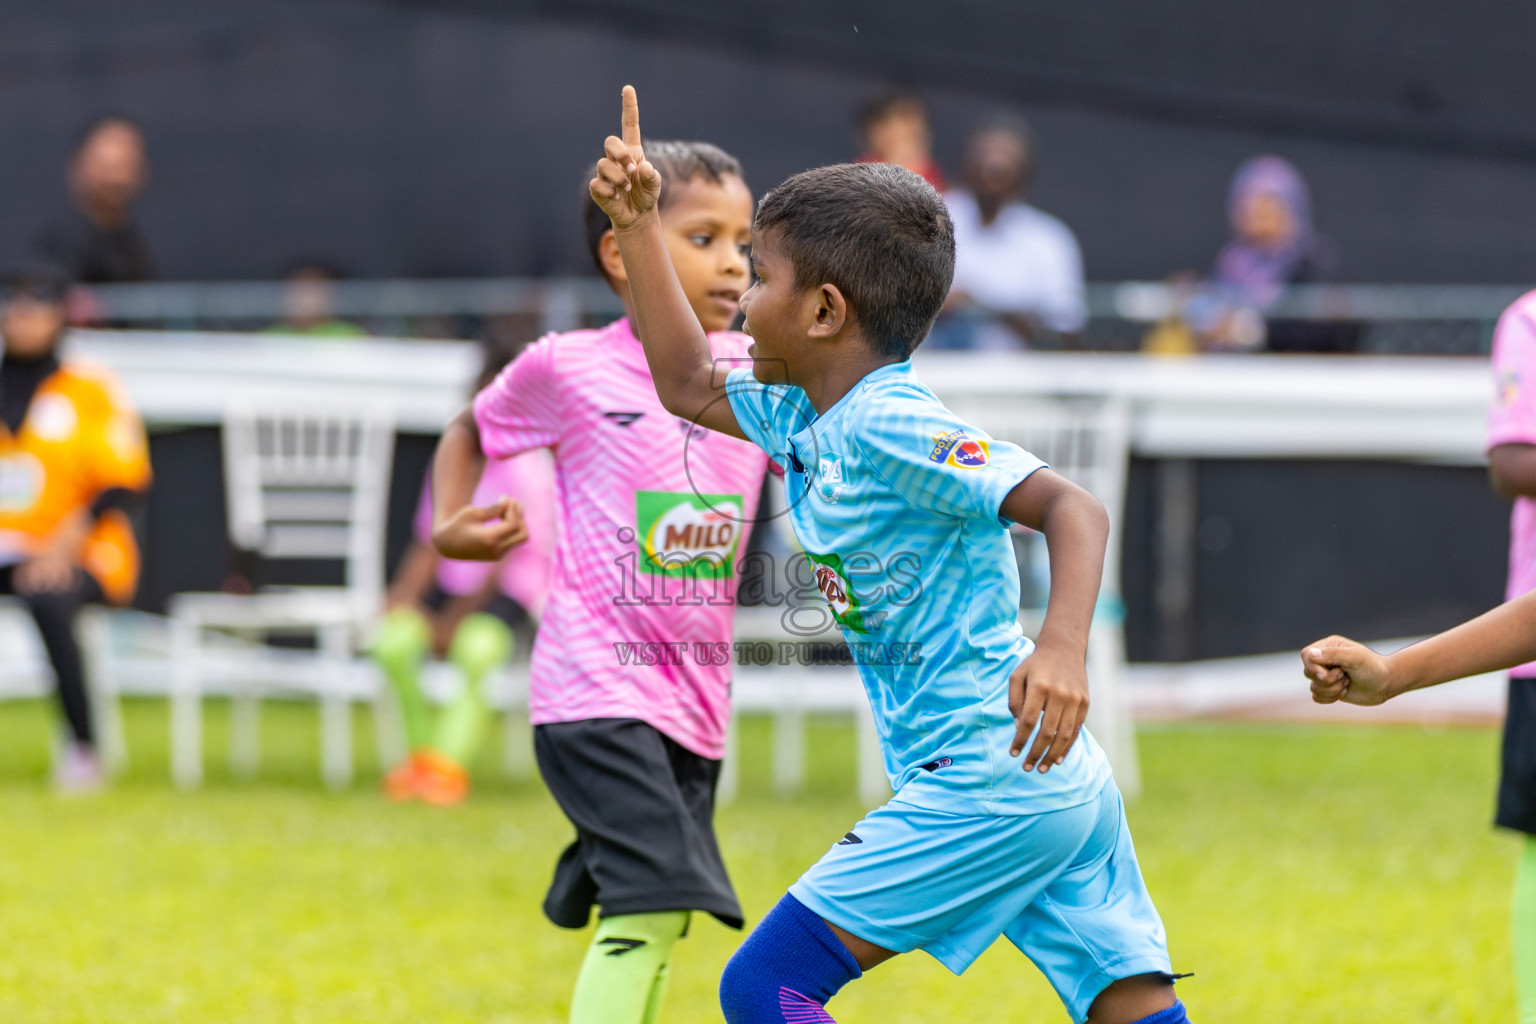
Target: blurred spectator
{"x":96,"y":241}
{"x":1269,"y":208}
{"x":72,"y":457}
{"x":893,"y":129}
{"x":1018,"y":271}
{"x":1274,"y":244}
{"x":309,"y":301}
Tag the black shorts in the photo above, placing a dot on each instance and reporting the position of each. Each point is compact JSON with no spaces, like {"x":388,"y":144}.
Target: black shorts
{"x":1517,"y":777}
{"x":643,"y":807}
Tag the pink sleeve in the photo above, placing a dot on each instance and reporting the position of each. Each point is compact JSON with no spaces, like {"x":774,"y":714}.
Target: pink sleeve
{"x":1512,"y":417}
{"x":520,"y":409}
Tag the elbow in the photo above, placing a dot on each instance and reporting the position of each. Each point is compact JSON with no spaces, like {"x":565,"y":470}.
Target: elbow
{"x":669,"y":402}
{"x":1098,"y":515}
{"x":676,"y":400}
{"x":1502,"y":485}
{"x":1091,"y":515}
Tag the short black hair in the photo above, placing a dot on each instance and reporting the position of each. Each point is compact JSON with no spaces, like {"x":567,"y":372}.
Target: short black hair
{"x":39,"y":280}
{"x":878,"y":232}
{"x":322,"y":268}
{"x":889,"y":102}
{"x":677,"y":162}
{"x":87,"y":130}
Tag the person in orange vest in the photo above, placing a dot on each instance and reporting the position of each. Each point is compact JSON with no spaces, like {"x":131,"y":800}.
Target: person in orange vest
{"x":73,"y":457}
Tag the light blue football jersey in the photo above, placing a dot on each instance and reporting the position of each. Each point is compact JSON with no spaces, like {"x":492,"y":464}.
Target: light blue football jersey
{"x":896,"y":503}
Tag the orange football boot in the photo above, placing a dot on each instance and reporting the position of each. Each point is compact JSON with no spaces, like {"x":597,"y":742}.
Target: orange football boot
{"x":441,"y":781}
{"x":403,"y":781}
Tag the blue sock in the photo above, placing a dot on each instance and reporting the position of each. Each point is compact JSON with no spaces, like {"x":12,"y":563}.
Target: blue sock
{"x":1173,"y":1015}
{"x":787,"y":969}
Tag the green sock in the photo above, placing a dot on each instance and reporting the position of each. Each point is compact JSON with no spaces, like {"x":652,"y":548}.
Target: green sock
{"x":400,"y":646}
{"x":1525,"y":933}
{"x":624,"y":974}
{"x":480,"y":644}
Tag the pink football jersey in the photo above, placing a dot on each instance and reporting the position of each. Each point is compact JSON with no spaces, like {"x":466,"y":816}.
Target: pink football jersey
{"x":1512,"y":420}
{"x":653,"y":515}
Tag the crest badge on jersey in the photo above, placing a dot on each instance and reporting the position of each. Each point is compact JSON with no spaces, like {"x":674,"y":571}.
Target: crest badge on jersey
{"x":830,"y":480}
{"x":956,"y":448}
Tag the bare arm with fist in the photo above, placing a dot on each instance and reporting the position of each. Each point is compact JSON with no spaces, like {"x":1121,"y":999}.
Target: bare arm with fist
{"x":1343,"y":670}
{"x":461,"y":529}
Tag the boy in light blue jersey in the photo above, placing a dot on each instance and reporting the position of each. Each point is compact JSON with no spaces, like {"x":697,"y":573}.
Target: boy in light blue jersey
{"x":903,"y":509}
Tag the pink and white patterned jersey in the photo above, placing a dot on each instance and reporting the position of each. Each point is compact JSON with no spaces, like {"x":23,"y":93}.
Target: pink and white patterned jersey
{"x":524,"y":574}
{"x":1512,"y":420}
{"x":654,"y":514}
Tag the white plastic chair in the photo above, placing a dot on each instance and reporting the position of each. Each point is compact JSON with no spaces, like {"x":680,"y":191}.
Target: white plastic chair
{"x":301,"y":482}
{"x":1088,"y":442}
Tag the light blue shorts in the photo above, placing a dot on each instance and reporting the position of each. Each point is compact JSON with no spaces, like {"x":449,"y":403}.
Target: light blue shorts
{"x":1064,"y":886}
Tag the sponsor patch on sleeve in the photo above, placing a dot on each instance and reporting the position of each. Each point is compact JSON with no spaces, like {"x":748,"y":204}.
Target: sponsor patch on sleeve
{"x":956,"y":448}
{"x":1508,"y":388}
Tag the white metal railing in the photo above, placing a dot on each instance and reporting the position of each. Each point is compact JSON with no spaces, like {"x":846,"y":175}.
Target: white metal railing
{"x":1425,"y":319}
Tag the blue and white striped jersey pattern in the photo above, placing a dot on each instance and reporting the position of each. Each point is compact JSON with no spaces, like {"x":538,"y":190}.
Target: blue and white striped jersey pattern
{"x":896,"y":502}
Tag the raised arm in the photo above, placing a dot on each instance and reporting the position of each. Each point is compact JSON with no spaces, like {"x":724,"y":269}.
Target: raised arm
{"x":627,"y":188}
{"x":1343,"y":670}
{"x":1051,"y":687}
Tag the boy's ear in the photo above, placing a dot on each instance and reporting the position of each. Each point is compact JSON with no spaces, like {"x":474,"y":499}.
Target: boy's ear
{"x":830,"y":315}
{"x":613,"y":263}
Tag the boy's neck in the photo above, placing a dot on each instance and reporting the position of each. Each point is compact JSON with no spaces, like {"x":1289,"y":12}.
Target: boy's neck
{"x":838,"y":376}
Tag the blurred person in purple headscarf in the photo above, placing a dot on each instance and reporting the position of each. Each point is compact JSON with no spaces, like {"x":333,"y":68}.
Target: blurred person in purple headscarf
{"x":1273,"y":245}
{"x":1273,"y":241}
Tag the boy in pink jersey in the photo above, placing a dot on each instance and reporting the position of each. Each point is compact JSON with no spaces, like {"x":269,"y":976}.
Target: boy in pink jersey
{"x":629,"y":686}
{"x":1505,"y":638}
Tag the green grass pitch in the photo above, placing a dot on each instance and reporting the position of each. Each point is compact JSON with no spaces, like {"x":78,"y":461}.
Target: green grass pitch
{"x":1305,"y":874}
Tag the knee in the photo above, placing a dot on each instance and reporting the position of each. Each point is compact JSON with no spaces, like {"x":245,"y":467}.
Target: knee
{"x":787,"y":969}
{"x":402,"y":638}
{"x":744,"y":987}
{"x":480,"y":644}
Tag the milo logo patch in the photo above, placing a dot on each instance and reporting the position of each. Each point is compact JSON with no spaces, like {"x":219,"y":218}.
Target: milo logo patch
{"x":688,"y":535}
{"x":832,"y":582}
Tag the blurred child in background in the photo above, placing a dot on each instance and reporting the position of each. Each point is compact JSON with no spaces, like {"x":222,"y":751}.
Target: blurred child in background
{"x":464,"y":611}
{"x":73,"y":456}
{"x":652,"y":514}
{"x":1505,"y":638}
{"x":894,"y":129}
{"x":309,"y":301}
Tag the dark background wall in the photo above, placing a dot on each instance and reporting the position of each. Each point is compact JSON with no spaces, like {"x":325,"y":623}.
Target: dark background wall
{"x":450,"y":138}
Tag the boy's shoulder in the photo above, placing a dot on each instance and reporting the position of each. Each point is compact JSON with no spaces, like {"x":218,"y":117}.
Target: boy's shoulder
{"x":1524,"y":307}
{"x":1515,"y":333}
{"x":581,"y":337}
{"x":894,"y":391}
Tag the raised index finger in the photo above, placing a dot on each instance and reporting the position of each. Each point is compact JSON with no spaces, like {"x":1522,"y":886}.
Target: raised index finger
{"x":631,"y":119}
